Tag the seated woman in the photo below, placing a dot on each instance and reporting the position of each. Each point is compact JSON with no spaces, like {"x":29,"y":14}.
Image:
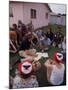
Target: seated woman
{"x":55,"y":69}
{"x":45,"y":42}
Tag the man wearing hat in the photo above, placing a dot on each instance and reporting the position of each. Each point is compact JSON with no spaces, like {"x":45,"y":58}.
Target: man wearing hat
{"x":55,"y":69}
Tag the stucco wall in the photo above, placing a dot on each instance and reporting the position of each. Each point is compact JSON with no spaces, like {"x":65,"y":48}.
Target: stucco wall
{"x":53,"y":19}
{"x":63,"y":20}
{"x":41,"y":10}
{"x":17,"y":13}
{"x":21,"y":11}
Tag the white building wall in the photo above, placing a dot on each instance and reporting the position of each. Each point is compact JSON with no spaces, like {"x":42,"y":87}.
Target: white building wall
{"x":21,"y":11}
{"x":41,"y":10}
{"x":53,"y":19}
{"x":17,"y":10}
{"x":63,"y":20}
{"x":59,"y":20}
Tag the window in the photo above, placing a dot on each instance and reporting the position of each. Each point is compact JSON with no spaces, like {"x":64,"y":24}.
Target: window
{"x":46,"y":15}
{"x":33,"y":13}
{"x":10,"y":12}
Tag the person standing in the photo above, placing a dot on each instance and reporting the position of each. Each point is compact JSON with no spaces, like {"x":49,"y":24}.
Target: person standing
{"x":55,"y":69}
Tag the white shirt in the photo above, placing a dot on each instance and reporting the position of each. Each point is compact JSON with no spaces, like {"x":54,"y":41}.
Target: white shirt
{"x":64,"y":46}
{"x":57,"y":75}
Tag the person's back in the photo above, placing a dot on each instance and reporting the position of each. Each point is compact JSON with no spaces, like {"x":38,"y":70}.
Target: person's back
{"x":57,"y":75}
{"x":48,"y":41}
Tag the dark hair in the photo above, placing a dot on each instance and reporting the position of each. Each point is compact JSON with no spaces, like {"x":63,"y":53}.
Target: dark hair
{"x":15,"y":26}
{"x":23,"y":29}
{"x":19,"y":22}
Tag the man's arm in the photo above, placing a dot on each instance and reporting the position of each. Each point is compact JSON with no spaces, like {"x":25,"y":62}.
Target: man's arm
{"x":48,"y":63}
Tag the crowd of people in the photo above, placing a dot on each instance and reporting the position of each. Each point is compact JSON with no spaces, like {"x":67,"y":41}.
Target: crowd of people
{"x":24,"y":37}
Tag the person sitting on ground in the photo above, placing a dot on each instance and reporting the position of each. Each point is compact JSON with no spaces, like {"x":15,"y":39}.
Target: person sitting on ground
{"x":45,"y":42}
{"x":39,"y":33}
{"x":55,"y":69}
